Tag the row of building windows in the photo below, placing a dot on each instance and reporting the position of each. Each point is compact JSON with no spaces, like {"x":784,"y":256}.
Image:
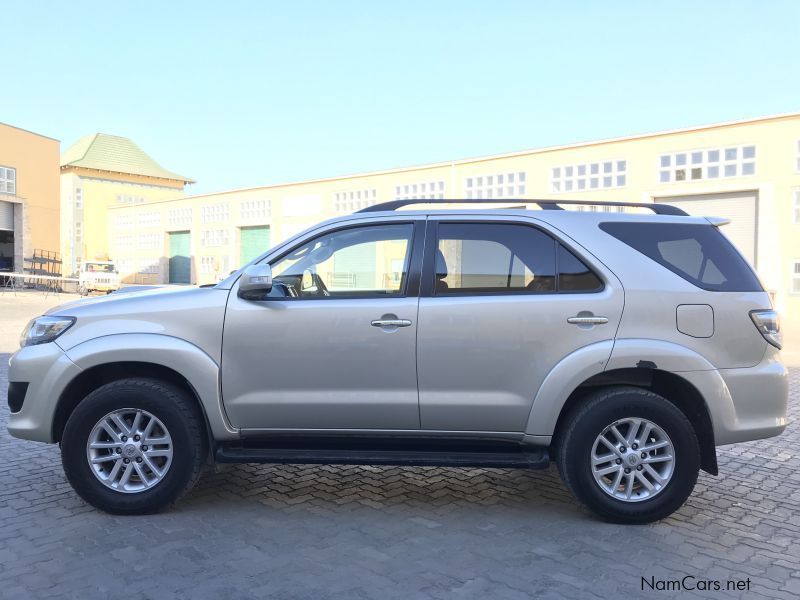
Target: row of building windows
{"x":124,"y":199}
{"x":255,"y":210}
{"x":498,"y":185}
{"x":215,"y":213}
{"x":352,"y":201}
{"x":180,"y":217}
{"x":589,"y":176}
{"x":8,"y":180}
{"x":428,"y":190}
{"x":214,"y":237}
{"x":737,"y":161}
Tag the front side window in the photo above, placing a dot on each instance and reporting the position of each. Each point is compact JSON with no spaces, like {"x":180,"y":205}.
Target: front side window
{"x":506,"y":258}
{"x":367,"y":261}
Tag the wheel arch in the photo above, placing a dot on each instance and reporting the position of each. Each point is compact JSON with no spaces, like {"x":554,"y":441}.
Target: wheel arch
{"x":170,"y":359}
{"x":671,"y":386}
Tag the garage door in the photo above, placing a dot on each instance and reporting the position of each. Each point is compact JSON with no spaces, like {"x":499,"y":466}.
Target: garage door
{"x":254,"y":241}
{"x":739,"y":207}
{"x":6,"y":215}
{"x":180,"y":262}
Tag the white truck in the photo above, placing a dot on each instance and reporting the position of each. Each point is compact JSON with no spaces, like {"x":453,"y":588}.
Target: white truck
{"x":98,"y":276}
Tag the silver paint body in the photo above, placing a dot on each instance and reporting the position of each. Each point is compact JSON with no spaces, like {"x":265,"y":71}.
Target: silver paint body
{"x":486,"y":366}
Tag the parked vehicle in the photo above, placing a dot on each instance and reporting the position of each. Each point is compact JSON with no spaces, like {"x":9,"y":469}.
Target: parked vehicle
{"x":623,"y":347}
{"x":98,"y":276}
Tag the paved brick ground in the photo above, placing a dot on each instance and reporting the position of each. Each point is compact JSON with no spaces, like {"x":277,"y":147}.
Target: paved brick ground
{"x":361,"y":532}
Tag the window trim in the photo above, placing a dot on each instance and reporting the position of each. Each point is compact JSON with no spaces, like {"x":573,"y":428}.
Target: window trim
{"x":410,"y":286}
{"x":428,"y":288}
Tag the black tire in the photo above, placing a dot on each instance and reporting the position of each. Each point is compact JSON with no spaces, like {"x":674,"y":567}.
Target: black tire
{"x":599,"y":410}
{"x":173,"y":407}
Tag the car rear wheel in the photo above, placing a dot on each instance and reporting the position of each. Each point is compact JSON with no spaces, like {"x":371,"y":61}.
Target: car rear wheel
{"x":629,"y":455}
{"x":134,"y":446}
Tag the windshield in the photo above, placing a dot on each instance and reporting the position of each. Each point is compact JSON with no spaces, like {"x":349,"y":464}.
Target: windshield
{"x":99,"y":268}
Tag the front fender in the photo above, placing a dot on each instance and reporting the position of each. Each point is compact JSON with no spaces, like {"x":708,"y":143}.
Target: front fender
{"x":197,"y":367}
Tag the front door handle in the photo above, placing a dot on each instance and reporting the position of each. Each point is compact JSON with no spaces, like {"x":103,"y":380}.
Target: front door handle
{"x":588,"y":320}
{"x":391,"y":323}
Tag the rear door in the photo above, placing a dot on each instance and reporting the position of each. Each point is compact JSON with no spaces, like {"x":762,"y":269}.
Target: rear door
{"x":502,"y":303}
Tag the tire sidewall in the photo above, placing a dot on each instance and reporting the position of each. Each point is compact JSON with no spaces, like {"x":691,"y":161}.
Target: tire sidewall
{"x":622,"y":405}
{"x":156,"y":398}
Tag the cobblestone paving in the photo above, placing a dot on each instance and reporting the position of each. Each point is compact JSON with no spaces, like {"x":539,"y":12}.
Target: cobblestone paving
{"x":320,"y":532}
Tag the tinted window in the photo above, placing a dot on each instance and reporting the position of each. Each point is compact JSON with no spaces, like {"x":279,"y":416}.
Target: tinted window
{"x":574,"y":275}
{"x":487,"y":257}
{"x":698,"y":253}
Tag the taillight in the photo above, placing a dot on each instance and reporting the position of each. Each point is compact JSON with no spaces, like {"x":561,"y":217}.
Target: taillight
{"x":768,"y":322}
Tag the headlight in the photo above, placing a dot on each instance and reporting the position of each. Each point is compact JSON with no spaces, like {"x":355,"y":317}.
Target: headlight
{"x":44,"y":329}
{"x":769,"y":324}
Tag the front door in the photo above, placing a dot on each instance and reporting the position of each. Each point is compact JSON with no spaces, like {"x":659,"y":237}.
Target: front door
{"x":332,"y":346}
{"x":493,"y":320}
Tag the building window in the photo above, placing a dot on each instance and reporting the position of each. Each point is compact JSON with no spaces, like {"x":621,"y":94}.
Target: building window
{"x":499,"y":185}
{"x":124,"y":242}
{"x":352,"y":201}
{"x":599,"y":175}
{"x":211,"y":238}
{"x":796,"y":277}
{"x":216,"y":213}
{"x":716,"y":163}
{"x":149,"y":266}
{"x":797,"y":157}
{"x":207,"y":265}
{"x":151,"y":219}
{"x":78,"y":198}
{"x":124,"y":221}
{"x":149,"y":241}
{"x":8,"y":180}
{"x":255,"y":210}
{"x":180,"y":217}
{"x":123,"y":199}
{"x":427,"y":190}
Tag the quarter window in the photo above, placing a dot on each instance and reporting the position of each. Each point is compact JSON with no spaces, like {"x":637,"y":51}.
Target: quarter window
{"x":362,"y":261}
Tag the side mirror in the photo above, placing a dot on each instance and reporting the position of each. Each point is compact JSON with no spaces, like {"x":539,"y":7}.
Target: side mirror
{"x":255,"y":282}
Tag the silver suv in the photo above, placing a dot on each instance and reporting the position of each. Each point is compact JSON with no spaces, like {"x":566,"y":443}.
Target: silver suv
{"x":622,"y":346}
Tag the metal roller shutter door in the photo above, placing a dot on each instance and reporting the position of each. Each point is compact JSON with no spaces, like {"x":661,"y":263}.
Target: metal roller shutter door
{"x":739,"y":207}
{"x":6,"y":215}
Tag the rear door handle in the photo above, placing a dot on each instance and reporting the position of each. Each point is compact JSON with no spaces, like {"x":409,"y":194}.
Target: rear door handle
{"x":588,"y":320}
{"x":391,"y":323}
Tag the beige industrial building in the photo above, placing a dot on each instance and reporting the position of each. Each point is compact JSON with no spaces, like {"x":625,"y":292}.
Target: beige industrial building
{"x":748,"y":171}
{"x":29,"y":202}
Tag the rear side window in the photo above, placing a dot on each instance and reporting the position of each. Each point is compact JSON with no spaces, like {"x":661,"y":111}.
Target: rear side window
{"x":698,"y":253}
{"x":506,"y":258}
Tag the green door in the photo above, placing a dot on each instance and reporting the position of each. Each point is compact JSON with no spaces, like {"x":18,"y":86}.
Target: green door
{"x":253,"y":241}
{"x":180,"y":257}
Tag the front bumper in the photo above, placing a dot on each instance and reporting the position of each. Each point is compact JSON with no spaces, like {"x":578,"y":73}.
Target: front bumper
{"x":47,"y":370}
{"x":748,"y":403}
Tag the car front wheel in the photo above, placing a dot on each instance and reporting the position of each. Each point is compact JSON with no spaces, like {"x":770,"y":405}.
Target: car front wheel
{"x":629,"y":455}
{"x":134,"y":446}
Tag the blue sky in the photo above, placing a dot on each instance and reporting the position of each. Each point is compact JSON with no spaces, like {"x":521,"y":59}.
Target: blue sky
{"x":239,"y":94}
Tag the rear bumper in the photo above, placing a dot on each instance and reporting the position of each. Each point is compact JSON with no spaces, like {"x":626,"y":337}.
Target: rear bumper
{"x":47,"y":370}
{"x":745,"y":404}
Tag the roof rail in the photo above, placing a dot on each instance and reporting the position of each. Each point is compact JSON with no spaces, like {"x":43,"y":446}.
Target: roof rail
{"x":659,"y":209}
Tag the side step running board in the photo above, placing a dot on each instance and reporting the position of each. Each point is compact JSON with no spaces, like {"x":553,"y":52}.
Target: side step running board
{"x":536,"y":459}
